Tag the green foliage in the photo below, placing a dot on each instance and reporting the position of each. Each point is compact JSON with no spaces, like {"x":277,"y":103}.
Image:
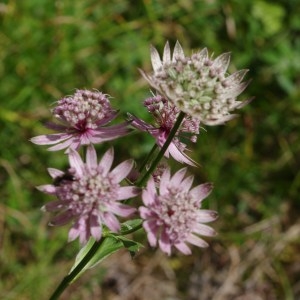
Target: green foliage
{"x":49,"y":48}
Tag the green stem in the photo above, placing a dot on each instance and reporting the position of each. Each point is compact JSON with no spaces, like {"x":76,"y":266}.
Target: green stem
{"x":147,"y":158}
{"x":161,"y":153}
{"x":68,"y":279}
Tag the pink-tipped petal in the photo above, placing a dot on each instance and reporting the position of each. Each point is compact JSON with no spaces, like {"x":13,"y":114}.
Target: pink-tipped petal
{"x":55,"y":172}
{"x":164,"y":243}
{"x":47,"y":188}
{"x":107,"y":160}
{"x":183,"y":247}
{"x":207,"y":216}
{"x":201,"y":191}
{"x":127,"y":192}
{"x":49,"y":139}
{"x":62,"y":219}
{"x":91,"y":157}
{"x":122,"y":210}
{"x":122,"y":170}
{"x":76,"y":162}
{"x":195,"y":240}
{"x":178,"y":177}
{"x":165,"y":179}
{"x":111,"y":222}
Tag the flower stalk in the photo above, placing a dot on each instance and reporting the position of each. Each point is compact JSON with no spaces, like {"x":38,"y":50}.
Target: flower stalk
{"x":161,"y":153}
{"x":72,"y":275}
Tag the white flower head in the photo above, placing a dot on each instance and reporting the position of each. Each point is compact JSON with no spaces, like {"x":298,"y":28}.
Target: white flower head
{"x":197,"y":85}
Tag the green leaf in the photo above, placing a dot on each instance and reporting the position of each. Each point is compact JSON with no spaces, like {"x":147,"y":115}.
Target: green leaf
{"x":132,"y":246}
{"x":131,"y":226}
{"x":108,"y":246}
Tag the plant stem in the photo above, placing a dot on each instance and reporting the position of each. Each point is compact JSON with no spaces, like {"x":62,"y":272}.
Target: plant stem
{"x":161,"y":153}
{"x":147,"y":158}
{"x":68,"y":279}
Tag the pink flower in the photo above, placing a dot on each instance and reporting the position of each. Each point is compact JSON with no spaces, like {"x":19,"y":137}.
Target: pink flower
{"x":81,"y":119}
{"x":165,"y":115}
{"x":89,"y":194}
{"x":173,"y":215}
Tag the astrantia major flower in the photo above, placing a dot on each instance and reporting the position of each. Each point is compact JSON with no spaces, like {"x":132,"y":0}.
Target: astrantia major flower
{"x":81,"y":120}
{"x":165,"y":114}
{"x":197,"y":85}
{"x":172,"y":213}
{"x":89,"y":194}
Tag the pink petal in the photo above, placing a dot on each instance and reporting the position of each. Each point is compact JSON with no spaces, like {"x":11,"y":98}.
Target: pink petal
{"x":47,"y":188}
{"x":79,"y":229}
{"x":204,"y":230}
{"x":55,"y":172}
{"x":139,"y":124}
{"x":91,"y":157}
{"x":63,"y":145}
{"x":201,"y":191}
{"x":206,"y":215}
{"x":164,"y":243}
{"x":195,"y":240}
{"x":49,"y":139}
{"x":84,"y":139}
{"x":145,"y":213}
{"x":164,"y":181}
{"x":151,"y":230}
{"x":106,"y":161}
{"x":111,"y":222}
{"x":73,"y":234}
{"x":180,"y":156}
{"x":76,"y":162}
{"x":122,"y":170}
{"x":122,"y":210}
{"x":148,"y":194}
{"x":127,"y":192}
{"x":54,"y":206}
{"x":178,"y":177}
{"x":182,"y":247}
{"x":187,"y":183}
{"x":62,"y":219}
{"x":95,"y":227}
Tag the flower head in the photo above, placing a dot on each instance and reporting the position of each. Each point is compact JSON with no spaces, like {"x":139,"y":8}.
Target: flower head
{"x":172,"y":213}
{"x":89,"y":194}
{"x":81,"y":119}
{"x":197,"y":85}
{"x":165,"y":114}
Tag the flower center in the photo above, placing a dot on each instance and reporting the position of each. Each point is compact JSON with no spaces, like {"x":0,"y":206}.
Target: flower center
{"x":92,"y":191}
{"x":177,"y":212}
{"x":83,"y":110}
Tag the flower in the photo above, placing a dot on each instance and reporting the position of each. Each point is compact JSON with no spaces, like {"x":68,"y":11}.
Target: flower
{"x":89,"y":194}
{"x":197,"y":85}
{"x":172,"y":213}
{"x":81,"y":119}
{"x":165,"y":115}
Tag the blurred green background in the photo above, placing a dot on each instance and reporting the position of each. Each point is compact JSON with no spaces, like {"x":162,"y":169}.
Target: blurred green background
{"x":50,"y":48}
